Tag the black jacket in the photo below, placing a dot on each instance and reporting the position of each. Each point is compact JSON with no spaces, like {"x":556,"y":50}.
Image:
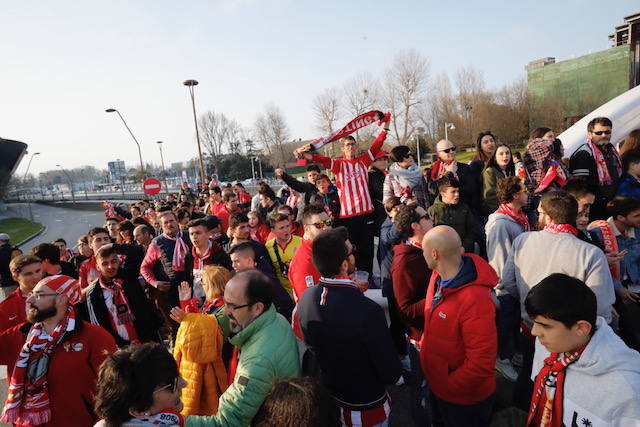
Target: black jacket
{"x":348,"y":335}
{"x":146,"y":319}
{"x":376,"y":183}
{"x":469,"y":190}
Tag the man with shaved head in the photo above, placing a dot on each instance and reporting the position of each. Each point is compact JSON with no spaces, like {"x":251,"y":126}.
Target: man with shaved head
{"x":459,"y":341}
{"x":448,"y":167}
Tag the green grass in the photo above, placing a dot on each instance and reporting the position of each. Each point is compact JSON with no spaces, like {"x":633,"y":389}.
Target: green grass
{"x":19,"y":228}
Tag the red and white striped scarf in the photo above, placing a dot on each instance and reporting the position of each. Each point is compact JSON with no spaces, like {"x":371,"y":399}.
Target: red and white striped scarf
{"x":438,"y":169}
{"x":518,"y":216}
{"x":547,"y":399}
{"x":601,"y":165}
{"x":561,"y":228}
{"x":28,"y":395}
{"x":123,"y":317}
{"x":610,"y":243}
{"x":179,"y":252}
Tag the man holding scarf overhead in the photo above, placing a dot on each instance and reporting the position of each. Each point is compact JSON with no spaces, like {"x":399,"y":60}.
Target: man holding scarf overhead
{"x":599,"y":163}
{"x":164,"y":264}
{"x":53,"y":359}
{"x":352,"y":182}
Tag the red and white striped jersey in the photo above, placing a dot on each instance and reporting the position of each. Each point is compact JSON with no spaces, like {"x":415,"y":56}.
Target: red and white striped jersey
{"x":352,"y":179}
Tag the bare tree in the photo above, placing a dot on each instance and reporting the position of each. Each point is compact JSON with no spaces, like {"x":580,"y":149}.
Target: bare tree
{"x":217,"y":131}
{"x":471,"y":97}
{"x":361,"y":93}
{"x":405,"y":89}
{"x":271,"y":130}
{"x":326,"y":108}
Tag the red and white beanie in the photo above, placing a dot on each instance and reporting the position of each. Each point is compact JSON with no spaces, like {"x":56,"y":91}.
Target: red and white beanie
{"x":64,"y":285}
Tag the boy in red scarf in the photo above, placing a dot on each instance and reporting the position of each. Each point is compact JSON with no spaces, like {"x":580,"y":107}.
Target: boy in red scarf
{"x":584,"y":374}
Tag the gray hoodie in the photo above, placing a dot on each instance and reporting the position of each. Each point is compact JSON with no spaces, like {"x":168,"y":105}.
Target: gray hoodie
{"x":501,"y":230}
{"x":602,"y":388}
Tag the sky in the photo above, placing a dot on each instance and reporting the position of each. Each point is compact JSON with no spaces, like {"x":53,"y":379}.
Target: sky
{"x":64,"y":63}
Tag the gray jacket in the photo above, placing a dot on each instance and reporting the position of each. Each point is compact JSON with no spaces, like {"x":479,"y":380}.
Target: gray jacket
{"x":537,"y":254}
{"x":501,"y":230}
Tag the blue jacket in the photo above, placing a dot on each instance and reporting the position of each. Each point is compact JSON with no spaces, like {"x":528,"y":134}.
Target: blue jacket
{"x":389,"y":237}
{"x":628,"y":186}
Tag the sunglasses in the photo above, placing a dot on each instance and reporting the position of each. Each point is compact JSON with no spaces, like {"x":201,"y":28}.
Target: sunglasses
{"x":449,"y":150}
{"x":602,"y":132}
{"x":349,"y":144}
{"x":425,"y":216}
{"x":322,"y":224}
{"x":172,"y":385}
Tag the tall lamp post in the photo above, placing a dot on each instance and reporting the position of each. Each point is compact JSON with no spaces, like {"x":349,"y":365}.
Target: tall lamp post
{"x":259,"y":165}
{"x":448,"y":126}
{"x":191,"y":84}
{"x":164,"y":173}
{"x":113,"y":110}
{"x":24,"y":181}
{"x":420,"y":131}
{"x":73,"y":195}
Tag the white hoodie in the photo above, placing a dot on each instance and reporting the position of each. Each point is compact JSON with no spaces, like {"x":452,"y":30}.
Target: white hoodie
{"x":602,"y":388}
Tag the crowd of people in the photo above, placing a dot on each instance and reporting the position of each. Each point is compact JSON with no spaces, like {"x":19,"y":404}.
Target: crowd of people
{"x":213,"y":307}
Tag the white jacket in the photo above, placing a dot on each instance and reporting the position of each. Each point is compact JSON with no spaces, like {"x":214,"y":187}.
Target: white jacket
{"x":602,"y":388}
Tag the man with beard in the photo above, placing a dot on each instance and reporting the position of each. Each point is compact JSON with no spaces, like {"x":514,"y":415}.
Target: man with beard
{"x":598,"y":162}
{"x":348,"y":334}
{"x":27,"y":271}
{"x":53,"y":359}
{"x":266,"y":346}
{"x":164,"y":267}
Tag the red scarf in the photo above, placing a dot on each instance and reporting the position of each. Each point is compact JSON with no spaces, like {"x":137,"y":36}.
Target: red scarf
{"x":561,"y":228}
{"x":610,"y":243}
{"x":601,"y":165}
{"x":123,"y":317}
{"x":359,"y":122}
{"x":438,"y":169}
{"x":518,"y":216}
{"x":179,"y":252}
{"x":28,"y":397}
{"x":547,"y":399}
{"x":555,"y":173}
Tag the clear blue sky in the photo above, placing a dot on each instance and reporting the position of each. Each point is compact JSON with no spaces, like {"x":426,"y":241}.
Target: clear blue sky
{"x":63,"y":63}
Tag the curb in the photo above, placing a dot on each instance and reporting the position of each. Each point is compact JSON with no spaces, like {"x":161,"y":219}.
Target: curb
{"x":28,"y":239}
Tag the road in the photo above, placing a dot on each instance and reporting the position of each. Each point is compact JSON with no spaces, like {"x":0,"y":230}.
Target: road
{"x":66,"y":223}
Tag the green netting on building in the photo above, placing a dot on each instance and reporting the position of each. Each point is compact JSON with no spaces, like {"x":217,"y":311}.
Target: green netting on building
{"x":575,"y":87}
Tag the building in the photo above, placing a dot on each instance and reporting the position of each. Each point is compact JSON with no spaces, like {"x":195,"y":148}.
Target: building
{"x":117,"y":170}
{"x":561,"y":93}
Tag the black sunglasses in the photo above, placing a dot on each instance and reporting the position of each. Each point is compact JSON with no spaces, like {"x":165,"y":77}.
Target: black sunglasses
{"x":603,"y":132}
{"x":448,"y":150}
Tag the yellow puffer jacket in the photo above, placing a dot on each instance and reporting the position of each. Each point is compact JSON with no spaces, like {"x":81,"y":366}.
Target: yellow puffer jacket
{"x":198,"y":352}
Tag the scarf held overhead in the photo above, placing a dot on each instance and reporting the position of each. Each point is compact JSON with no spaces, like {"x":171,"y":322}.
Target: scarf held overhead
{"x":28,"y":395}
{"x":359,"y":122}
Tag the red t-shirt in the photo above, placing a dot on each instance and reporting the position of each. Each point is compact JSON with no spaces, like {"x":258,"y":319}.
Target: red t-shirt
{"x":13,"y":310}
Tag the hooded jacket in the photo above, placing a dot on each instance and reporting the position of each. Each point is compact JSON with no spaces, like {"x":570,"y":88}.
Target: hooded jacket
{"x":459,"y":342}
{"x":501,"y":230}
{"x":410,"y":277}
{"x":601,"y":388}
{"x":198,"y":353}
{"x":458,"y":217}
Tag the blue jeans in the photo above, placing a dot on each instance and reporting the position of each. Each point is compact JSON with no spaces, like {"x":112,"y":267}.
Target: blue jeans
{"x":420,"y":407}
{"x":508,"y":325}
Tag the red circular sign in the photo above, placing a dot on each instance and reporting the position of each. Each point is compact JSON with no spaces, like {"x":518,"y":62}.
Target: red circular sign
{"x":151,"y":186}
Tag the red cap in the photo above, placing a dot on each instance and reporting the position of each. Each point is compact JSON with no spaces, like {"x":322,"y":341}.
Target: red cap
{"x":381,"y":154}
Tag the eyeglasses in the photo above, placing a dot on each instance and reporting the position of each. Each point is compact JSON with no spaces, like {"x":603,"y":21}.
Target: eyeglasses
{"x":321,"y":224}
{"x":449,"y":150}
{"x":39,"y":295}
{"x":172,"y":385}
{"x":602,"y":132}
{"x":349,"y":144}
{"x":234,"y":307}
{"x":425,"y":216}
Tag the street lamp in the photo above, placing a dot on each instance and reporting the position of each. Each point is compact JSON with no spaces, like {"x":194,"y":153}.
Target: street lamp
{"x":164,"y":174}
{"x":73,"y":196}
{"x":191,"y":84}
{"x":29,"y":165}
{"x":259,"y":165}
{"x":419,"y":131}
{"x":448,"y":126}
{"x":113,"y":110}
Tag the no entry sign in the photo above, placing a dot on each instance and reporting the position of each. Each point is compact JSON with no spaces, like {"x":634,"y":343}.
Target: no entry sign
{"x":151,"y":186}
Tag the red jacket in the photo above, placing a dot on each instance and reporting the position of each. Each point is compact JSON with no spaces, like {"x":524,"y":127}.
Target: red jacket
{"x":72,"y":372}
{"x":459,"y":343}
{"x":302,"y":273}
{"x":13,"y":310}
{"x":261,"y":234}
{"x":410,"y":277}
{"x":223,"y":214}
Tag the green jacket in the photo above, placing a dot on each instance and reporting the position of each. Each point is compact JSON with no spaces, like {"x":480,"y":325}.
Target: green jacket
{"x":459,"y":217}
{"x":268,"y":352}
{"x":490,"y":178}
